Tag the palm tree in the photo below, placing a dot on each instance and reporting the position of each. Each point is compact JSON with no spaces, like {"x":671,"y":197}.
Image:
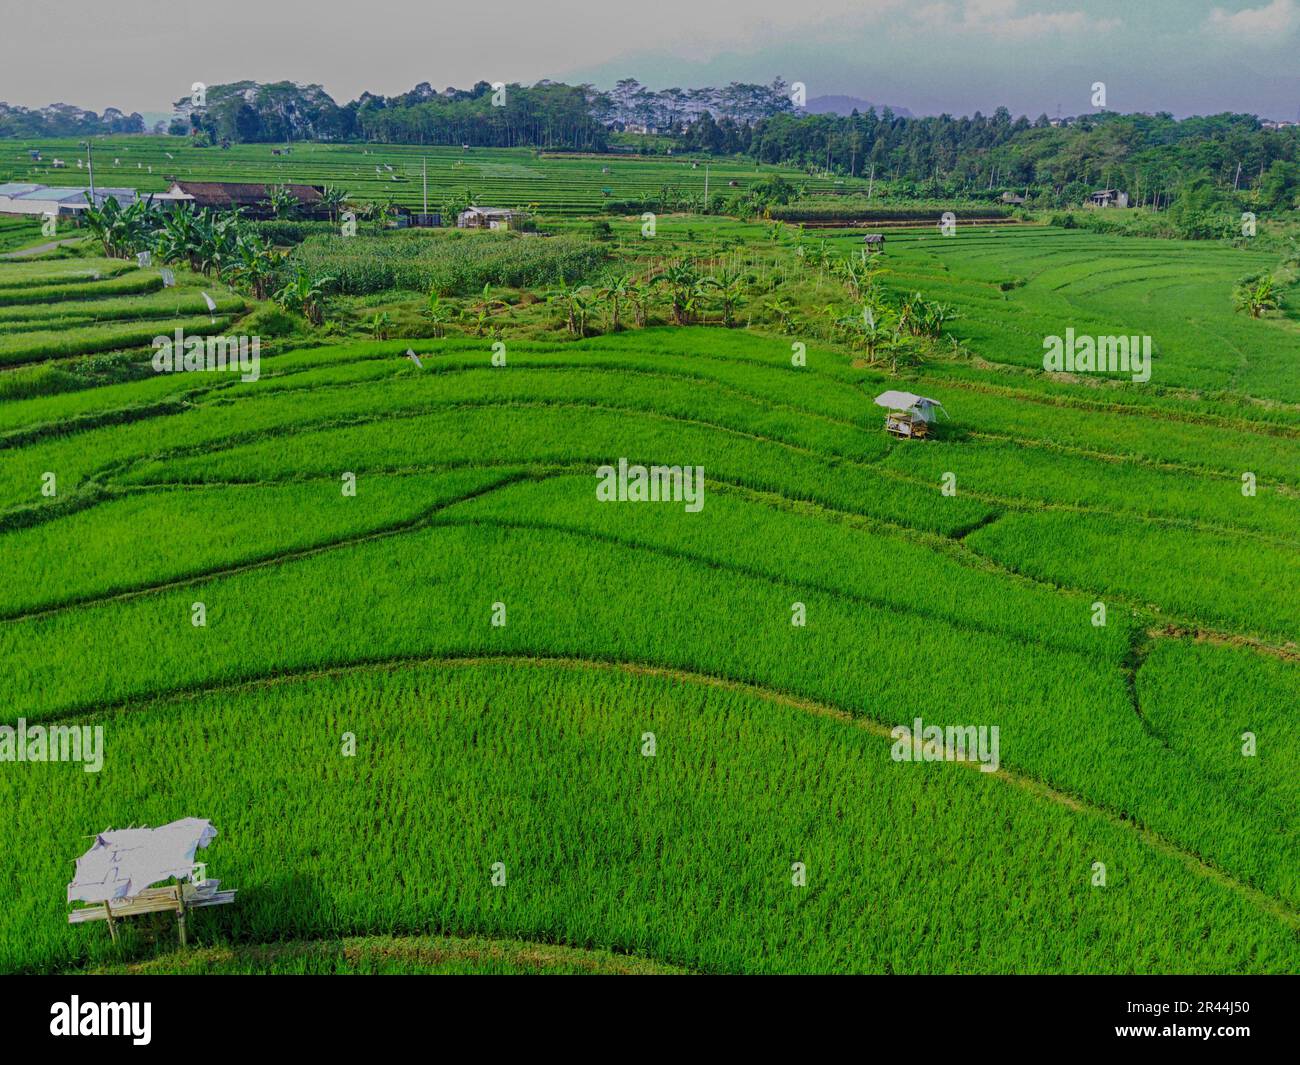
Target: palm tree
{"x":1257,"y":296}
{"x":97,"y":221}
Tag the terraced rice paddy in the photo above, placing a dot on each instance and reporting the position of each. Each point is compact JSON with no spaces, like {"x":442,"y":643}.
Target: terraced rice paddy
{"x":560,"y":185}
{"x":499,"y":643}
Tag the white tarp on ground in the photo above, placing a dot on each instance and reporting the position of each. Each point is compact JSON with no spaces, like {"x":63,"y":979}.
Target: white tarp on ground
{"x":123,"y":862}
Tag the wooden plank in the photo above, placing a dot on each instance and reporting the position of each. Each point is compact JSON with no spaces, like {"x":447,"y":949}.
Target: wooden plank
{"x":154,"y":901}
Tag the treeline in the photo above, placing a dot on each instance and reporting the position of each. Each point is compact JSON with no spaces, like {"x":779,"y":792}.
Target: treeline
{"x":546,"y":115}
{"x":1154,"y":158}
{"x":631,"y":104}
{"x":64,"y":120}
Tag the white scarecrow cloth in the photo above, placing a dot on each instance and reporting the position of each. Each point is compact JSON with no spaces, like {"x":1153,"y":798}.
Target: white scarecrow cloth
{"x":123,"y":862}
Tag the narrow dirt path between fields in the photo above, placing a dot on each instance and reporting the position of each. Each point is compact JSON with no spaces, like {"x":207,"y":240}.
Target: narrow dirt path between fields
{"x":40,"y":249}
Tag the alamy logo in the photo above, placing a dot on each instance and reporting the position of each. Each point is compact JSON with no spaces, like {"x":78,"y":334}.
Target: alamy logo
{"x":53,"y":743}
{"x":1089,"y":354}
{"x":652,"y":484}
{"x":954,"y":743}
{"x":182,"y":354}
{"x":103,"y":1018}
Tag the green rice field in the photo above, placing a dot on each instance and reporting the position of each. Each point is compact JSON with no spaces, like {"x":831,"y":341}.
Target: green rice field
{"x":451,"y":712}
{"x":554,"y":184}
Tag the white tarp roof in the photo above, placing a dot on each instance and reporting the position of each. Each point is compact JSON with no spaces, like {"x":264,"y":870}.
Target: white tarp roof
{"x":904,"y":401}
{"x":923,"y":405}
{"x":123,"y":862}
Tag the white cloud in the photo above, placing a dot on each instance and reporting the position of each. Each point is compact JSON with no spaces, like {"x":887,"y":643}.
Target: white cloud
{"x":1267,"y":24}
{"x":1007,"y":20}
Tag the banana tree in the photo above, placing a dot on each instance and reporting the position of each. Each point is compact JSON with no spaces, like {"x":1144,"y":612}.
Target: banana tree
{"x":640,"y":295}
{"x":784,"y":311}
{"x":576,"y":302}
{"x":729,"y":293}
{"x":177,"y":237}
{"x":255,"y":264}
{"x":122,"y":231}
{"x":305,"y":294}
{"x":380,"y":323}
{"x":685,"y":290}
{"x":1256,"y":297}
{"x":615,"y":290}
{"x":438,"y":314}
{"x":333,"y":198}
{"x":481,"y":313}
{"x":281,"y":200}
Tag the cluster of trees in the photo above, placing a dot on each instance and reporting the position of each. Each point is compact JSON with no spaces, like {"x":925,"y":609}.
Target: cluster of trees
{"x":213,"y":243}
{"x":1155,"y":158}
{"x":672,"y":110}
{"x":247,"y":111}
{"x":546,"y":115}
{"x":685,"y":292}
{"x":64,"y":120}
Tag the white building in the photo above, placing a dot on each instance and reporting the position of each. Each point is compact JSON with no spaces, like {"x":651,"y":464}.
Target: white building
{"x":24,"y":198}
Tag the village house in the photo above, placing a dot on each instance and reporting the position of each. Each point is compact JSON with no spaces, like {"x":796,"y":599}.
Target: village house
{"x":489,"y":218}
{"x":251,"y":197}
{"x":1108,"y":198}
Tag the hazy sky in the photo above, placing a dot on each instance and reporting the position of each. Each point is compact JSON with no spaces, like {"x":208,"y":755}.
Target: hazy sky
{"x":1185,"y":56}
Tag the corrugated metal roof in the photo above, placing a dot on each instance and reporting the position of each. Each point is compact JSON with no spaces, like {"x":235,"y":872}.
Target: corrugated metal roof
{"x":46,"y":193}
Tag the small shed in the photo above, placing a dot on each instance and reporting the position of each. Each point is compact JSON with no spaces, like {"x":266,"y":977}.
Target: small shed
{"x":874,"y":241}
{"x":1108,"y":198}
{"x":909,"y":415}
{"x":489,"y":218}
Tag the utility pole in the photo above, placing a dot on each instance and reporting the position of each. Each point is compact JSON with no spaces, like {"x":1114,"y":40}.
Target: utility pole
{"x":424,"y":174}
{"x":90,"y":167}
{"x":706,"y":188}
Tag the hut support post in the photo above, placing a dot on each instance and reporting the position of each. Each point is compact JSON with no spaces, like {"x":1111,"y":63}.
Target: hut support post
{"x":180,"y":914}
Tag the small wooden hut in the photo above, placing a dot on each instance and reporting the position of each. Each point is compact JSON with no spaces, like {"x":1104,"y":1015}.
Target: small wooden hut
{"x":909,"y":415}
